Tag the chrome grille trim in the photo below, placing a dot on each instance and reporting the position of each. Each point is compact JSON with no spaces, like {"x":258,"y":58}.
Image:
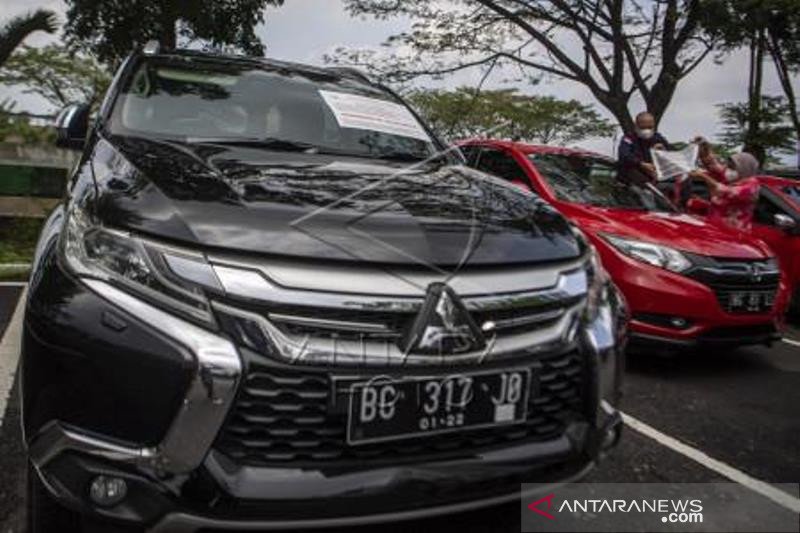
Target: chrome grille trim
{"x":252,"y":285}
{"x":337,"y":325}
{"x":525,"y":320}
{"x":307,"y":349}
{"x":399,"y":282}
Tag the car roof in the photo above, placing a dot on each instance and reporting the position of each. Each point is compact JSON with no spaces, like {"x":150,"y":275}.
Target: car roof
{"x":526,"y":148}
{"x":268,"y":63}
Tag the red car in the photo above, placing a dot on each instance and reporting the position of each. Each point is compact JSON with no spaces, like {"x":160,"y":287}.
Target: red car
{"x":777,"y":222}
{"x":687,"y":282}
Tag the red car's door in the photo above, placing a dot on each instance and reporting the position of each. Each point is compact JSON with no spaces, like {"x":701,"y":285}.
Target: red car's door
{"x":785,"y":243}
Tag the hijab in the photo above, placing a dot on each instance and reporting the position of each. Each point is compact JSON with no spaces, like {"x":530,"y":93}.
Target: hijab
{"x":746,"y":165}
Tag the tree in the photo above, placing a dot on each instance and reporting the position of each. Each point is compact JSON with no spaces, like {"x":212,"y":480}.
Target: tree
{"x":614,"y":48}
{"x":774,"y":134}
{"x":769,"y":29}
{"x":17,"y":127}
{"x":15,"y":30}
{"x":506,"y":114}
{"x":56,"y":74}
{"x":111,"y":29}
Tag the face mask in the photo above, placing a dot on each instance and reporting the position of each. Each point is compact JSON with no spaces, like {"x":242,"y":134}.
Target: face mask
{"x":731,"y":175}
{"x":645,"y":133}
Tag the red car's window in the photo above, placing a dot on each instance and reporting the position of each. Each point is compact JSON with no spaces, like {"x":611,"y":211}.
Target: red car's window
{"x":594,"y":181}
{"x":793,"y":192}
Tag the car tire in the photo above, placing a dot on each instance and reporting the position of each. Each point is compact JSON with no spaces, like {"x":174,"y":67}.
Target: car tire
{"x":45,"y":515}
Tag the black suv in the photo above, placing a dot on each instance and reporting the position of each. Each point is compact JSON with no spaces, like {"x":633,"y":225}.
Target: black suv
{"x":273,"y":299}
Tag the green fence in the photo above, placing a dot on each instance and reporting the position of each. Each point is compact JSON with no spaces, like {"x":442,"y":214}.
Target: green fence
{"x":35,"y":181}
{"x":32,"y":179}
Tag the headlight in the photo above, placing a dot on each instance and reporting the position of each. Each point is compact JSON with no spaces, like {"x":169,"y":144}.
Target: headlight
{"x":164,"y":277}
{"x":653,"y":254}
{"x":598,"y":282}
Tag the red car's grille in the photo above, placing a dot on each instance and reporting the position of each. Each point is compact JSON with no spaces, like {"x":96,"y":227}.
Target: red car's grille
{"x":741,"y":287}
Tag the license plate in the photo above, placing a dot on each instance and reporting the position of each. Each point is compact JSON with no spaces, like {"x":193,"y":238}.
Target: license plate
{"x":387,"y":409}
{"x":751,"y":301}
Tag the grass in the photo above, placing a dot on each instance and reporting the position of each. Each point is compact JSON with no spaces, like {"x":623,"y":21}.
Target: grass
{"x":18,"y":237}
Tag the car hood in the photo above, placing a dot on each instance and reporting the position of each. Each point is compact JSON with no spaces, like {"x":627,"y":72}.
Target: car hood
{"x":680,"y":231}
{"x":323,"y":207}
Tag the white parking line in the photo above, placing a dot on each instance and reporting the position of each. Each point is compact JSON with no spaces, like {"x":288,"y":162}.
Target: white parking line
{"x":778,"y":496}
{"x":13,"y":284}
{"x":9,"y":353}
{"x":791,"y":341}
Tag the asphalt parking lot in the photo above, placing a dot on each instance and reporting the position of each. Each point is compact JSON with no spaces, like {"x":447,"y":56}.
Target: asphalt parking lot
{"x":697,"y":417}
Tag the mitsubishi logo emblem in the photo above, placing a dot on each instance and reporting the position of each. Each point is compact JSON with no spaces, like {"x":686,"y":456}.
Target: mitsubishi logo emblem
{"x":443,"y":325}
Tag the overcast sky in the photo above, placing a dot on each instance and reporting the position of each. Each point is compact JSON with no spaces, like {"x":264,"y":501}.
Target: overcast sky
{"x":304,"y":30}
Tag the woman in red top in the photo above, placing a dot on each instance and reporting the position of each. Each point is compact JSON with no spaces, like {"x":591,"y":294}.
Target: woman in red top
{"x":734,"y":192}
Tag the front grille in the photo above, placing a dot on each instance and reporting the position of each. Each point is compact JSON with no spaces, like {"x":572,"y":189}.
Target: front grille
{"x":364,"y":324}
{"x":287,"y":416}
{"x":741,"y":287}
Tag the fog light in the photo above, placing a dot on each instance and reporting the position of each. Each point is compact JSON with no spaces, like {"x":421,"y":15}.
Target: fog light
{"x":678,"y":322}
{"x":107,"y":491}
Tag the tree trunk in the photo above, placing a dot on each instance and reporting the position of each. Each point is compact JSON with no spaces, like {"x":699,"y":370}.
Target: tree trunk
{"x":752,"y":143}
{"x":17,"y":29}
{"x":785,"y":77}
{"x":617,"y":106}
{"x":168,"y":38}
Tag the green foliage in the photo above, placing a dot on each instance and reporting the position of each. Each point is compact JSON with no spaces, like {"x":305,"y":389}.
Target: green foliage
{"x":14,"y":127}
{"x":507,"y":114}
{"x":112,"y":29}
{"x":18,"y":238}
{"x":775,"y":135}
{"x":58,"y":75}
{"x":736,"y":21}
{"x":15,"y":30}
{"x":615,"y":49}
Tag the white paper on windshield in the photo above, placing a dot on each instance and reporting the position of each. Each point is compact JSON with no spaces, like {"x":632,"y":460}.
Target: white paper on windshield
{"x":364,"y":113}
{"x":676,"y":163}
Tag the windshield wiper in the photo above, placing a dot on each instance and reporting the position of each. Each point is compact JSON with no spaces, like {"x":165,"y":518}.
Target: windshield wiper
{"x":262,"y":142}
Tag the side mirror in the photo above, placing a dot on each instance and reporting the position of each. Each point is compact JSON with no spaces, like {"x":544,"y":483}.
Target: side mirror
{"x":785,"y":223}
{"x":72,"y":126}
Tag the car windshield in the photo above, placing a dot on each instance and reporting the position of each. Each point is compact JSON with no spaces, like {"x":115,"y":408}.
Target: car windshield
{"x":594,"y":181}
{"x":201,"y":100}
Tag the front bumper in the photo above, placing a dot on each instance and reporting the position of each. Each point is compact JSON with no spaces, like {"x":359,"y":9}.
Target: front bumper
{"x":304,"y":499}
{"x":655,"y":296}
{"x":176,"y":481}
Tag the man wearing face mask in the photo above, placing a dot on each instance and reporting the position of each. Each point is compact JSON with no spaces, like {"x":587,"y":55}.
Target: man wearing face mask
{"x":634,"y":150}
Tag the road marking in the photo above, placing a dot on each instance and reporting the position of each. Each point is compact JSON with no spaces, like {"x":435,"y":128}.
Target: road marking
{"x":778,"y":496}
{"x":13,"y":283}
{"x":15,"y":265}
{"x":9,"y":353}
{"x":791,"y":341}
